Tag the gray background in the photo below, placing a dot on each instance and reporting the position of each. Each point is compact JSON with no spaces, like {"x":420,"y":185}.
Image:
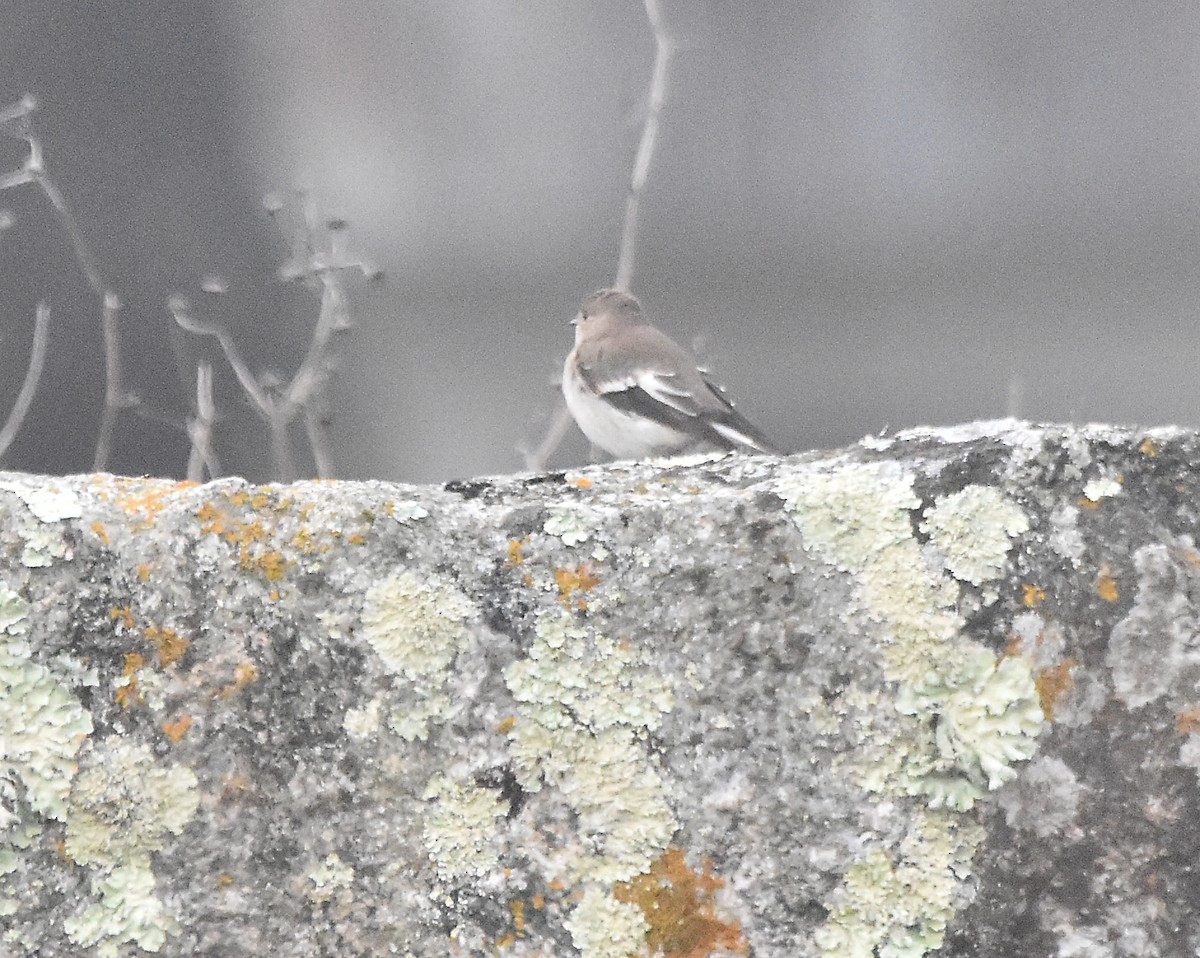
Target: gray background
{"x":873,"y":214}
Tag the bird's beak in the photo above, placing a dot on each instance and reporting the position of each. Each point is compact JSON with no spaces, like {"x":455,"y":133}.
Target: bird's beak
{"x":574,"y":321}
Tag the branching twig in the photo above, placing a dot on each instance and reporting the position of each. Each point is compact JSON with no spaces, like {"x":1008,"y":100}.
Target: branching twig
{"x":536,"y":459}
{"x":37,"y":359}
{"x":115,"y":396}
{"x":318,"y":259}
{"x":202,"y":457}
{"x":664,"y":46}
{"x":16,"y":120}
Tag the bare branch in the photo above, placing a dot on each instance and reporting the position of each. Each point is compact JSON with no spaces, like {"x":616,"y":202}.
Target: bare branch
{"x":536,"y":459}
{"x":181,"y":309}
{"x":116,"y":397}
{"x":199,"y":428}
{"x":16,"y":178}
{"x":18,"y":113}
{"x":663,"y":48}
{"x":37,"y":359}
{"x":317,"y":258}
{"x":318,"y":442}
{"x":34,"y":171}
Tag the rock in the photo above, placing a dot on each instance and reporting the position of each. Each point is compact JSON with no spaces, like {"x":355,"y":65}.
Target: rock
{"x":935,"y":693}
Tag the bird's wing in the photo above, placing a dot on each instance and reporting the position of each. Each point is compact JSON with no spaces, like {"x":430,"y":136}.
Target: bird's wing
{"x":732,"y":424}
{"x":659,"y":382}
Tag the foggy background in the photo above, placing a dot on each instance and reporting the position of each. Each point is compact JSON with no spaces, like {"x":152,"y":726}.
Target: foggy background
{"x":872,"y":214}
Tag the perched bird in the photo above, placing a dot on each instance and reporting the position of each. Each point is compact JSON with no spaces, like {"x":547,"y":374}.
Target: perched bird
{"x":635,"y":393}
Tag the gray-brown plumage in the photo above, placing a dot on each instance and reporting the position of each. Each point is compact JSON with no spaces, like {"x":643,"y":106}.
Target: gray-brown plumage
{"x":635,"y":393}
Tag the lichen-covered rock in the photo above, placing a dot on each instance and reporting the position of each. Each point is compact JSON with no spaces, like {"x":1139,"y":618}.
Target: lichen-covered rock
{"x":938,"y":693}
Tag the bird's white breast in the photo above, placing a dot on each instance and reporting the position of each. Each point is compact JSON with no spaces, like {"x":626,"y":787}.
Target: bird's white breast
{"x":617,"y":433}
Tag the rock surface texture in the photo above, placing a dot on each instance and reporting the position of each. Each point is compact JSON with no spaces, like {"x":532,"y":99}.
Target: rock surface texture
{"x":937,"y":693}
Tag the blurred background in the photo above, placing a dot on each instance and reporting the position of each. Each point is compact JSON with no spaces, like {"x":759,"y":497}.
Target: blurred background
{"x":865,"y":215}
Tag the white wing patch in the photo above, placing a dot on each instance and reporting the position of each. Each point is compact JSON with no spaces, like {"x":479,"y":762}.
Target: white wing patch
{"x":736,"y":435}
{"x":660,"y":388}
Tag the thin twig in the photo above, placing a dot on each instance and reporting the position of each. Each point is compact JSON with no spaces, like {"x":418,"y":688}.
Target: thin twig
{"x":202,"y":457}
{"x":318,"y":258}
{"x":116,"y":396}
{"x":535,"y":459}
{"x":318,"y":442}
{"x":181,"y":310}
{"x":18,"y":112}
{"x":37,"y":359}
{"x":313,"y":371}
{"x":663,"y":47}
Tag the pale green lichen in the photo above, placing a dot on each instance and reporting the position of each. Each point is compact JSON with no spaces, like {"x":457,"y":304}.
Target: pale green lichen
{"x":973,"y":529}
{"x":47,"y":501}
{"x":362,"y":723}
{"x":585,"y":705}
{"x":572,"y":524}
{"x":898,"y":907}
{"x":128,"y":910}
{"x":405,"y":512}
{"x":460,"y":828}
{"x":1102,"y":487}
{"x":328,"y":877}
{"x":125,"y":802}
{"x":45,"y":725}
{"x":123,"y":805}
{"x":602,"y":927}
{"x":42,"y":539}
{"x":961,"y":716}
{"x":852,"y":514}
{"x":986,"y":722}
{"x":858,"y":517}
{"x":417,"y":628}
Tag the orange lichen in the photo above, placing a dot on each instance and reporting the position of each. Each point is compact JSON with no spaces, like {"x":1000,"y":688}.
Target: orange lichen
{"x":516,"y":551}
{"x":1052,"y":684}
{"x":570,"y":581}
{"x":245,"y":674}
{"x":1147,"y":448}
{"x":273,"y":565}
{"x":122,"y":615}
{"x":177,"y":729}
{"x":582,"y":483}
{"x":1033,"y":595}
{"x":507,"y":725}
{"x":246,"y":535}
{"x":169,"y":645}
{"x":127,"y":693}
{"x":1106,"y":585}
{"x":224,"y":880}
{"x":680,"y":909}
{"x":143,"y":572}
{"x":145,"y":499}
{"x":538,"y":901}
{"x":517,"y":908}
{"x":100,"y":531}
{"x":1188,"y":723}
{"x":356,"y":539}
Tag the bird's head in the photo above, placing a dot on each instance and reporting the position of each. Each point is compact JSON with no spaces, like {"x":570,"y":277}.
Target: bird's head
{"x":605,"y":311}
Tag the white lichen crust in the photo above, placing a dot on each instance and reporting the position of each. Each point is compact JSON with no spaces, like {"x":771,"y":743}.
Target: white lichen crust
{"x":961,"y":717}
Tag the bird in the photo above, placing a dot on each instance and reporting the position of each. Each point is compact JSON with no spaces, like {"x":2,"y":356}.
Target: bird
{"x":636,"y":393}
